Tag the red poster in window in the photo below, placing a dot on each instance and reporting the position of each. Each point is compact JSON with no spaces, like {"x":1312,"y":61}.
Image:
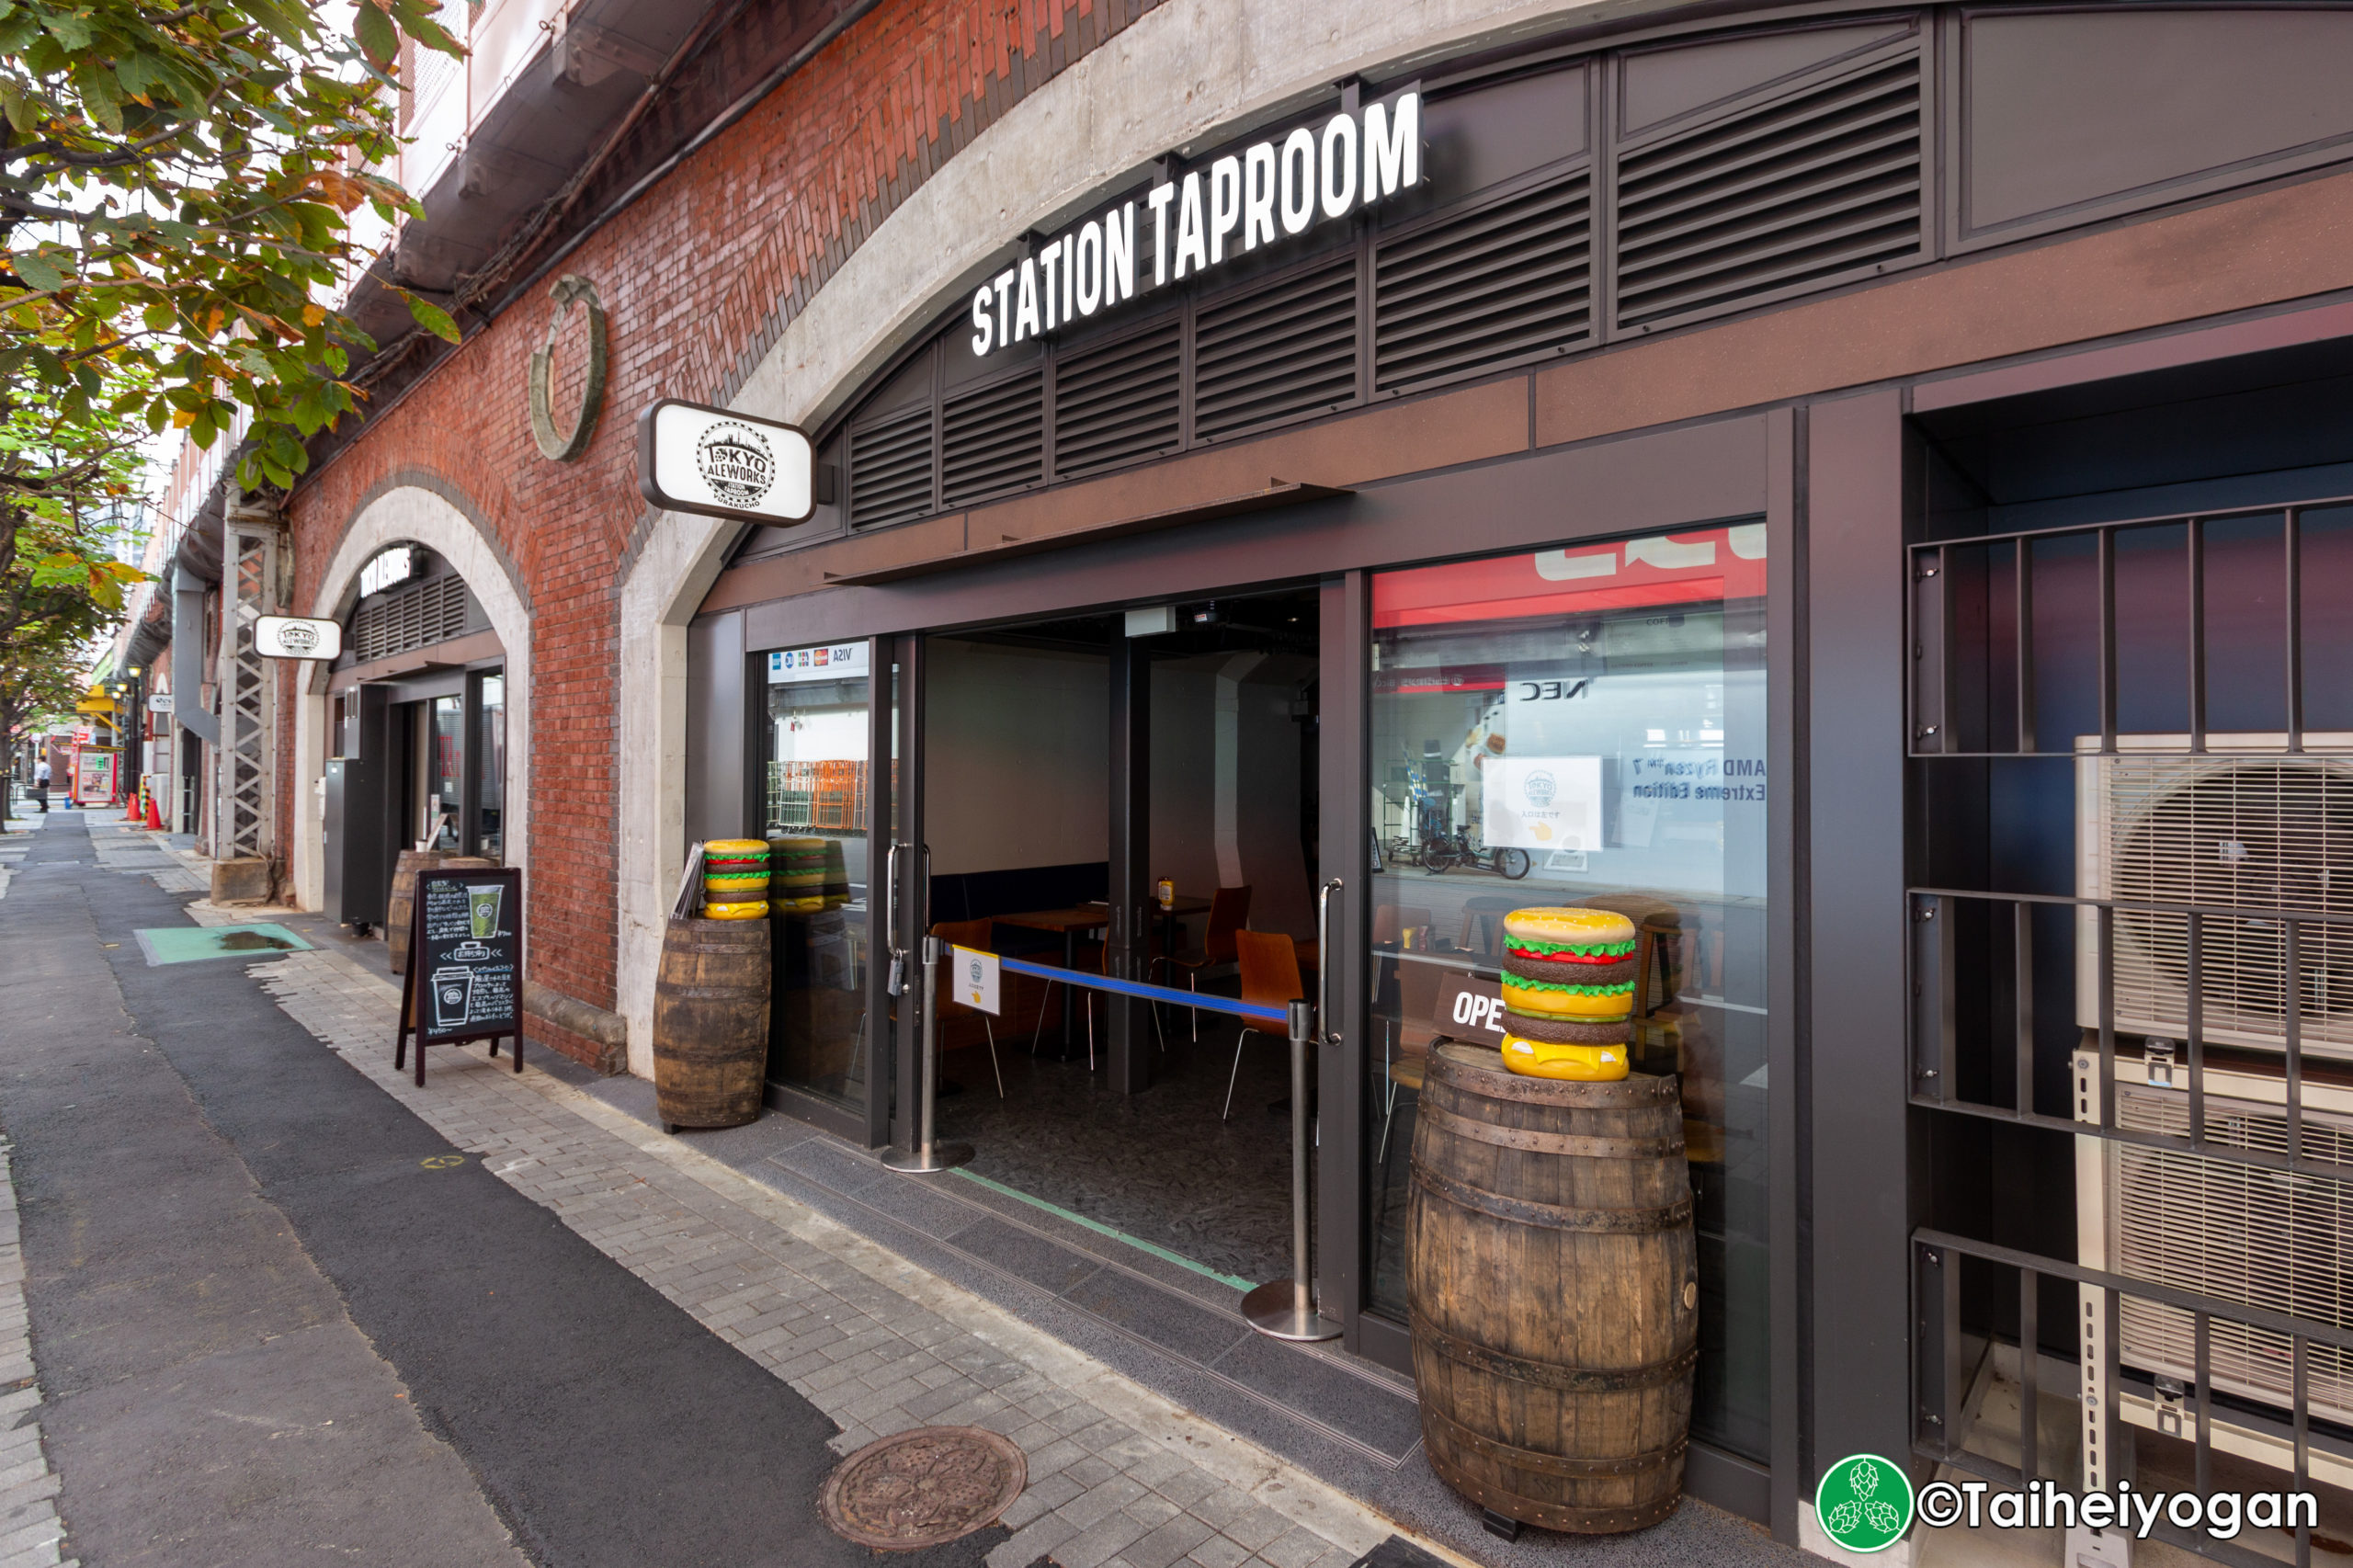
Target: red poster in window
{"x":1658,"y":569}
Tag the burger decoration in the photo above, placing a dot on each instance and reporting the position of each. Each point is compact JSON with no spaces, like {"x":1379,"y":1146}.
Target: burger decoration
{"x":735,"y":879}
{"x":1568,"y":987}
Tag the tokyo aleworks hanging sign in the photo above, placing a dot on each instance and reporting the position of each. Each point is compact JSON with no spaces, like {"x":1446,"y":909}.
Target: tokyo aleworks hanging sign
{"x":296,"y":637}
{"x":694,"y":458}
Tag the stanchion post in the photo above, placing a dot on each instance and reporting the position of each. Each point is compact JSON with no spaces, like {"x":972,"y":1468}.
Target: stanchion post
{"x":1285,"y":1308}
{"x":929,"y":1155}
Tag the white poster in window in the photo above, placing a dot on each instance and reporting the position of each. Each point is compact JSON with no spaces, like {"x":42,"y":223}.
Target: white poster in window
{"x":1542,"y":802}
{"x":976,"y":978}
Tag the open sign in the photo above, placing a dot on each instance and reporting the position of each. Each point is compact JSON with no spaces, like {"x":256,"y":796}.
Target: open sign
{"x":1469,"y":1007}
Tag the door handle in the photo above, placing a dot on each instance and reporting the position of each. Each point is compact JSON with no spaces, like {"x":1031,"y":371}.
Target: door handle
{"x":1323,"y":958}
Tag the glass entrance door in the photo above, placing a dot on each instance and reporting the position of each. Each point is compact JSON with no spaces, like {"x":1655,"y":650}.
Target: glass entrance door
{"x":817,"y":793}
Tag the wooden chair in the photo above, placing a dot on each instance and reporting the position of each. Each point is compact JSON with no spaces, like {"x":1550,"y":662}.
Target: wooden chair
{"x":1405,"y":1053}
{"x":1229,"y":908}
{"x":1392,"y":921}
{"x":1269,"y":966}
{"x":965,"y":934}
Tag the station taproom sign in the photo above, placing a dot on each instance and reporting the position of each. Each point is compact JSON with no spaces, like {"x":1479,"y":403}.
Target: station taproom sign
{"x":691,"y":458}
{"x":1192,"y":224}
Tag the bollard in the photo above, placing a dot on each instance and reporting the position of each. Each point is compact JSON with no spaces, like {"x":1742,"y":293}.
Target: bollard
{"x":1285,"y":1308}
{"x":928,"y":1156}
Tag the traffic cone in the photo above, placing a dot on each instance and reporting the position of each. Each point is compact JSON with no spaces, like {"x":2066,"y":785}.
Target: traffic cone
{"x":155,"y":816}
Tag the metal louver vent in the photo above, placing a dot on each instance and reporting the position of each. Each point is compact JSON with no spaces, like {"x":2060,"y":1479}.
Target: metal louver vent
{"x":1796,"y":191}
{"x":1285,"y":351}
{"x":2240,"y":1232}
{"x":415,"y":617}
{"x":890,"y":469}
{"x":992,"y":439}
{"x":1483,"y":288}
{"x":1118,"y":403}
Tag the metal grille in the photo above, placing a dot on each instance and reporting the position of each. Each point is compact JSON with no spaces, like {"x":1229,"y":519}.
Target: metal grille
{"x":994,"y":439}
{"x":1814,"y":185}
{"x":1119,"y":403}
{"x":1486,"y":288}
{"x":411,"y":618}
{"x":1273,"y":354}
{"x":2246,"y":833}
{"x":890,"y":467}
{"x":2262,"y":1238}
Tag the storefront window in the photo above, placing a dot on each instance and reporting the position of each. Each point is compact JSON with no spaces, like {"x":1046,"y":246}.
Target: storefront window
{"x":445,"y":803}
{"x":490,"y":766}
{"x":815,"y":794}
{"x":1587,"y":727}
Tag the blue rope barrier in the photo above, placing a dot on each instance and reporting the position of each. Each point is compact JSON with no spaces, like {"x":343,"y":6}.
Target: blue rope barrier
{"x":1257,"y":1011}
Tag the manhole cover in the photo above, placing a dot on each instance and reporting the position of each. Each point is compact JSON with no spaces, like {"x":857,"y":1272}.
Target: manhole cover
{"x":919,"y":1488}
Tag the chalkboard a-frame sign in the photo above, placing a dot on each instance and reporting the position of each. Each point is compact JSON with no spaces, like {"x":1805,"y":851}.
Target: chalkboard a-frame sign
{"x":465,"y":962}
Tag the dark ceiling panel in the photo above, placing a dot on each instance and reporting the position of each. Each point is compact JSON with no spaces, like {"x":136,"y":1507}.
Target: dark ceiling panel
{"x":2062,"y":109}
{"x":1661,"y":83}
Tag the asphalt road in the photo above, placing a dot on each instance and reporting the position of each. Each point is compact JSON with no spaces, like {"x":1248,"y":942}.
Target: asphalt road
{"x":274,"y":1325}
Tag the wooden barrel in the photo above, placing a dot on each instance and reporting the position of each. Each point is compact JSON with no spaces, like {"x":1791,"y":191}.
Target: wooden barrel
{"x":1554,"y":1290}
{"x":400,"y":912}
{"x":710,"y":1023}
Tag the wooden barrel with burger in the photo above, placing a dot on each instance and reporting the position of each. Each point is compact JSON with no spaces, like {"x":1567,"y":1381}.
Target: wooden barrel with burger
{"x":1552,"y":1273}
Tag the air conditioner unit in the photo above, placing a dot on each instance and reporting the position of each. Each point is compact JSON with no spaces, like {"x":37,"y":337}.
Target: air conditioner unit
{"x":2244,"y":825}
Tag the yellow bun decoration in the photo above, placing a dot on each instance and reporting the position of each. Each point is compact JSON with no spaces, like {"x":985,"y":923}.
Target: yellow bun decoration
{"x":810,"y":905}
{"x":758,"y":910}
{"x":1587,"y":1003}
{"x":1582,"y":1063}
{"x":1577,"y":925}
{"x":734,"y":848}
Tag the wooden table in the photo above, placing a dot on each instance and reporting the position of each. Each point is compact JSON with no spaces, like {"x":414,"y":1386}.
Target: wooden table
{"x":1081,"y":917}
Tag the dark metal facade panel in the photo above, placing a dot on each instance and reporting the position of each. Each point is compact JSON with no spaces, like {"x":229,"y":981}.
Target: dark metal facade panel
{"x":1856,"y":917}
{"x":1671,"y":478}
{"x":2066,"y":114}
{"x":1788,"y":876}
{"x":1343,"y":829}
{"x":717,"y":735}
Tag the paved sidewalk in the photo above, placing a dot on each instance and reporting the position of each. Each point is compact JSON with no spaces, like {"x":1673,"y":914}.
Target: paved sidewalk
{"x":1117,"y":1475}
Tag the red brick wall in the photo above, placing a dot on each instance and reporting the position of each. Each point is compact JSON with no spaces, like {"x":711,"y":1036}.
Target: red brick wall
{"x":698,"y":278}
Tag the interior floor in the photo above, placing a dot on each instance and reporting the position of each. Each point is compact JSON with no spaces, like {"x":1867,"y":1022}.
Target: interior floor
{"x":1159,"y":1167}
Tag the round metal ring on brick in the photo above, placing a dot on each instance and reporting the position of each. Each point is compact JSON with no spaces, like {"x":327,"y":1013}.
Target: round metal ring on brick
{"x":917,"y":1489}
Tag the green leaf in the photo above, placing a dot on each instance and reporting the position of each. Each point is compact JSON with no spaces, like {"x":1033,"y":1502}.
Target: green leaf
{"x":69,"y":29}
{"x":433,"y":318}
{"x":376,"y":35}
{"x":37,"y":268}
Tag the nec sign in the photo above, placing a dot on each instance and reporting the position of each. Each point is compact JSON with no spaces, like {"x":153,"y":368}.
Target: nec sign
{"x":1197,"y":222}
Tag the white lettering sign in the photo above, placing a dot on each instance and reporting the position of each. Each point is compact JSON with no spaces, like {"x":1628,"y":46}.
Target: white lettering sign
{"x":695,"y":458}
{"x":159,"y":703}
{"x":388,"y":569}
{"x":293,"y":637}
{"x":1205,"y":218}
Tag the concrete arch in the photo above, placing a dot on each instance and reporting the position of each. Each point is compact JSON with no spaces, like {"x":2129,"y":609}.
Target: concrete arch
{"x":408,"y":512}
{"x":1182,"y":74}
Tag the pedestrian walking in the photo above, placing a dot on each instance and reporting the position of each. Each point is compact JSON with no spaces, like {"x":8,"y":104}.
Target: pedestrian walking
{"x":41,"y":785}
